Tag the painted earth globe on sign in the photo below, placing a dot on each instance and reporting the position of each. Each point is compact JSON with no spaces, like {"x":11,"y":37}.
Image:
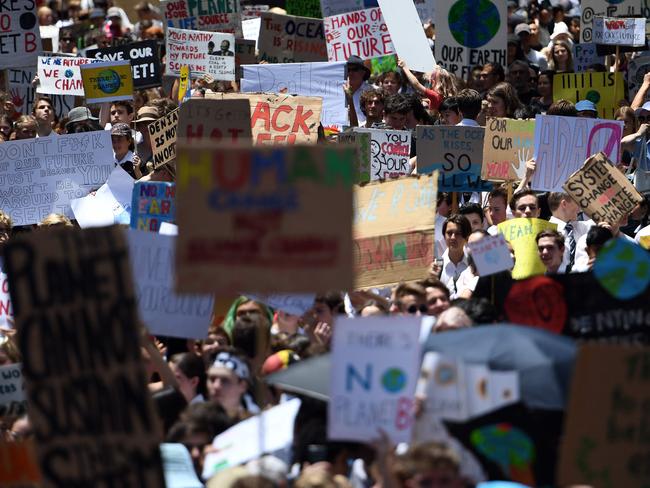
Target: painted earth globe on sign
{"x":473,"y":23}
{"x":393,"y":380}
{"x":109,"y":81}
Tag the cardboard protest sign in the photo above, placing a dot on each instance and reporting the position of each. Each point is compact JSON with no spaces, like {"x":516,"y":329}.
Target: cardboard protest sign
{"x":204,"y":15}
{"x":336,"y":7}
{"x":108,"y":81}
{"x":153,"y":202}
{"x":269,"y":230}
{"x":407,"y":35}
{"x":18,"y":467}
{"x":290,"y":39}
{"x":562,"y":144}
{"x":20,"y":38}
{"x":592,"y":9}
{"x":604,"y":89}
{"x":389,"y":153}
{"x":12,"y":394}
{"x":163,"y":311}
{"x":61,"y":75}
{"x":204,"y":52}
{"x":145,"y":61}
{"x":6,"y":310}
{"x":268,"y":432}
{"x":602,"y":191}
{"x":491,"y":255}
{"x":361,"y":143}
{"x":162,"y":134}
{"x":304,"y":8}
{"x":584,"y":55}
{"x":619,"y":32}
{"x":40,"y":176}
{"x":226,"y":120}
{"x":456,"y":152}
{"x":636,"y":70}
{"x":471,"y":33}
{"x":244,"y":54}
{"x":507,"y":145}
{"x":280,"y":119}
{"x":253,"y":11}
{"x":81,"y":357}
{"x":110,"y":204}
{"x":324,"y":80}
{"x":363,"y":33}
{"x":606,"y":447}
{"x":23,"y":93}
{"x":374,"y":367}
{"x":178,"y":466}
{"x":393,"y":230}
{"x":520,"y":233}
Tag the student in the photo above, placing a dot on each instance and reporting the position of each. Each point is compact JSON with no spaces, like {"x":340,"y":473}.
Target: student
{"x":550,"y":246}
{"x":525,"y":204}
{"x":456,"y":230}
{"x":469,"y":103}
{"x":43,"y":112}
{"x":564,"y":212}
{"x":474,"y":213}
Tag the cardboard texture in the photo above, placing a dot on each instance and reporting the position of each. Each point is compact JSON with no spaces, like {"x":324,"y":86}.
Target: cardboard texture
{"x":226,"y":120}
{"x":607,"y":447}
{"x":86,"y":386}
{"x":361,"y":143}
{"x":280,"y":119}
{"x":602,"y":191}
{"x":521,"y":234}
{"x":393,"y":230}
{"x":606,"y":90}
{"x":456,"y":152}
{"x":507,"y":145}
{"x":291,"y":39}
{"x":163,"y":133}
{"x":280,"y":219}
{"x":363,"y":33}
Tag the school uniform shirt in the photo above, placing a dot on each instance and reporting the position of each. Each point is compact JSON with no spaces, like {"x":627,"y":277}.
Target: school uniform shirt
{"x":451,"y":273}
{"x":468,"y":123}
{"x":580,"y":228}
{"x":127,"y":157}
{"x":440,"y":245}
{"x":582,"y":258}
{"x":467,"y":281}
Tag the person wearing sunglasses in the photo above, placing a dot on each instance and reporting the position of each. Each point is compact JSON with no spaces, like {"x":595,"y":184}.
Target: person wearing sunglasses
{"x":409,"y":299}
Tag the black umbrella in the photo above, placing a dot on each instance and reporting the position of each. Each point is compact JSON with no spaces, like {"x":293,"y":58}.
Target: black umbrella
{"x":310,"y":377}
{"x":543,"y":359}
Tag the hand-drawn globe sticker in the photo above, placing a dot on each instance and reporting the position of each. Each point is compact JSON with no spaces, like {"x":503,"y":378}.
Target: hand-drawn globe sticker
{"x":393,"y":380}
{"x":445,"y":374}
{"x":68,"y":73}
{"x":623,"y":269}
{"x":593,"y":96}
{"x":108,"y":81}
{"x":27,"y":21}
{"x":473,"y":23}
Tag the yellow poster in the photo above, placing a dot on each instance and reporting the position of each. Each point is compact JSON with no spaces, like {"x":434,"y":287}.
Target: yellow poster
{"x":107,"y":82}
{"x":604,"y":89}
{"x":184,"y":84}
{"x":521,"y":234}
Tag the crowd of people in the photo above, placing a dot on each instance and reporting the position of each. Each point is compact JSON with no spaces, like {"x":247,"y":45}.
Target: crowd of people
{"x":202,"y":388}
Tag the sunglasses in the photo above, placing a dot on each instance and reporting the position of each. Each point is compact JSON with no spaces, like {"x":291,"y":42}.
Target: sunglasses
{"x":413,"y":309}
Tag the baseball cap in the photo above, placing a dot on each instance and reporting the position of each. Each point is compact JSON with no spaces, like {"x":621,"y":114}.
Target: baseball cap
{"x":113,"y":12}
{"x":522,"y":28}
{"x":121,"y":129}
{"x":147,"y":114}
{"x":643,"y":108}
{"x":586,"y":105}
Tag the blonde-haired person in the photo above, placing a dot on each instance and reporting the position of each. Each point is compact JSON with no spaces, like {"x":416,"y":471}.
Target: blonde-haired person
{"x":560,"y":57}
{"x":55,"y":219}
{"x":444,"y":85}
{"x":26,"y":127}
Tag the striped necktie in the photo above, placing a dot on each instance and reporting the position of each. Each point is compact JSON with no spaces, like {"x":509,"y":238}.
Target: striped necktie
{"x":568,"y":228}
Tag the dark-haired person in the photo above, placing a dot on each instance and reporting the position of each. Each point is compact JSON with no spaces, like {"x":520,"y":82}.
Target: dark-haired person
{"x":469,"y":104}
{"x":372,"y":106}
{"x":450,"y":112}
{"x":437,"y":296}
{"x":596,"y":238}
{"x":228,"y":379}
{"x":409,"y":299}
{"x":396,"y":112}
{"x":456,"y":231}
{"x":43,"y":111}
{"x":497,"y":208}
{"x":358,"y":75}
{"x":474,"y":214}
{"x":525,"y":204}
{"x":550,"y":246}
{"x":189,"y":371}
{"x":564,"y":213}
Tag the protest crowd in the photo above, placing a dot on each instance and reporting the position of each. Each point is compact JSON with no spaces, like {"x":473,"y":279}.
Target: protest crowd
{"x":324,"y":243}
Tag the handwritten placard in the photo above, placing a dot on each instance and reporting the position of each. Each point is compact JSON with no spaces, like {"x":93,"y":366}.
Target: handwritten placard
{"x":374,"y":367}
{"x":521,"y":233}
{"x":70,"y":373}
{"x":393,"y":230}
{"x":360,"y":141}
{"x":390,"y":152}
{"x":61,"y":75}
{"x":20,"y":38}
{"x":362,"y":33}
{"x":491,"y":255}
{"x":291,"y":39}
{"x":152,"y":203}
{"x":584,"y":55}
{"x":163,"y":311}
{"x":456,"y":152}
{"x":144,"y":58}
{"x":507,"y":145}
{"x":619,"y":32}
{"x":204,"y":15}
{"x":280,"y":119}
{"x":6,"y":311}
{"x":269,"y":230}
{"x":12,"y":390}
{"x":604,"y":89}
{"x":602,"y":191}
{"x":163,"y":134}
{"x":562,"y":144}
{"x":204,"y":52}
{"x":40,"y":176}
{"x":607,"y":447}
{"x":216,"y":120}
{"x":24,"y":94}
{"x":296,"y":304}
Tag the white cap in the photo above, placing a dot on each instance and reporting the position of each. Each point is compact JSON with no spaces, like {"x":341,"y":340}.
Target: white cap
{"x":560,"y":28}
